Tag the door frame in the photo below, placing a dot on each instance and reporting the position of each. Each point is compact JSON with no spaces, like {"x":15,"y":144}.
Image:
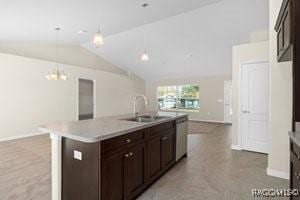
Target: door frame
{"x":239,"y":110}
{"x":94,"y":95}
{"x":231,"y":105}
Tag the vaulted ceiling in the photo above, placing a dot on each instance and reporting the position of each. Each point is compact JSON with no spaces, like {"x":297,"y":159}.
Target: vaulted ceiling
{"x":194,"y":43}
{"x":182,"y":37}
{"x":35,"y":20}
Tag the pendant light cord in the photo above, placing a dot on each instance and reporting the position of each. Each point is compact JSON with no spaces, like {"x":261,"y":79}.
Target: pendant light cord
{"x":57,"y":29}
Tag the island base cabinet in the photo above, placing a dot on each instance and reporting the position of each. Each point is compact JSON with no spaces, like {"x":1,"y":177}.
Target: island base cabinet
{"x":135,"y":170}
{"x":161,"y":153}
{"x":113,"y":176}
{"x":154,"y":157}
{"x":123,"y":174}
{"x":120,"y":173}
{"x":80,"y":170}
{"x":168,"y":149}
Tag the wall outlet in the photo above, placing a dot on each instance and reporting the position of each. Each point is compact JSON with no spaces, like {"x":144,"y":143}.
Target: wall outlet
{"x":77,"y":155}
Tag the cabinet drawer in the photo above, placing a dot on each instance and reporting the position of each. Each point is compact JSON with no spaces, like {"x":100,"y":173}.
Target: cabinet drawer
{"x":161,"y":128}
{"x":295,"y":150}
{"x":122,"y":141}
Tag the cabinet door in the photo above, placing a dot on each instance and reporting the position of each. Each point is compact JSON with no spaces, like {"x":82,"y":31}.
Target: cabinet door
{"x":286,"y":28}
{"x":168,"y":149}
{"x":113,"y":176}
{"x":154,"y":156}
{"x":294,"y":174}
{"x":135,"y":166}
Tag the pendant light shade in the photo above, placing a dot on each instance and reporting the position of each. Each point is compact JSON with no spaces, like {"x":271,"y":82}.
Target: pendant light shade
{"x":57,"y":74}
{"x":145,"y":56}
{"x":98,"y":39}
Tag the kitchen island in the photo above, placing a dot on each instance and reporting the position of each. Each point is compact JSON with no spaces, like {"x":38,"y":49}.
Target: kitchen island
{"x":112,"y":157}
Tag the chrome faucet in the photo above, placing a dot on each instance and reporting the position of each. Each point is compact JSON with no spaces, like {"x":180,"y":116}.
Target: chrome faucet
{"x":134,"y":103}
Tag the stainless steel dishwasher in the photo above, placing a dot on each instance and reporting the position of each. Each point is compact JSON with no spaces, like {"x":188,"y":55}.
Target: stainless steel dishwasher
{"x":181,"y":137}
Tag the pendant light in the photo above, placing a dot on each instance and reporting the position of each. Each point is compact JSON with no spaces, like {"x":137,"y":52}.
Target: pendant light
{"x":98,"y":39}
{"x":144,"y":56}
{"x":57,"y":74}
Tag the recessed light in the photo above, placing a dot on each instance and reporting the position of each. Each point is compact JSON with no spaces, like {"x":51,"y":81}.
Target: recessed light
{"x":145,"y":5}
{"x":82,"y":31}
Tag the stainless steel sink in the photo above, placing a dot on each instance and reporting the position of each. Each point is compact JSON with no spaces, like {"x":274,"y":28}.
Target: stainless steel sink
{"x":145,"y":118}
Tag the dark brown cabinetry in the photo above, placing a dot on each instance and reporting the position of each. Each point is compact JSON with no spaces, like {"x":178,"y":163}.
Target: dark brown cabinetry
{"x":80,"y":177}
{"x":288,"y":49}
{"x":119,"y":168}
{"x":161,"y":153}
{"x":135,"y":170}
{"x":123,"y":173}
{"x":288,"y":46}
{"x":284,"y":36}
{"x":294,"y":168}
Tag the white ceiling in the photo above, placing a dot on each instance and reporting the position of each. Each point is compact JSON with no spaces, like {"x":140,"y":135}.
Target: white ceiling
{"x":194,"y":43}
{"x":183,"y":37}
{"x":34,"y":20}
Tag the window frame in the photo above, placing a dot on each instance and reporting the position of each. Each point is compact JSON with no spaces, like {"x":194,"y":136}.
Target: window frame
{"x":177,"y":93}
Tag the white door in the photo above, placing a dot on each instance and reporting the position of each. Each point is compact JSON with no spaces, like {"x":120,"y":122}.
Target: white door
{"x":255,"y":106}
{"x":228,"y":101}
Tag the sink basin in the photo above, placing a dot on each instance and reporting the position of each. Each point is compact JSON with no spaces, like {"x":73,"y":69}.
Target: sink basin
{"x":145,"y":118}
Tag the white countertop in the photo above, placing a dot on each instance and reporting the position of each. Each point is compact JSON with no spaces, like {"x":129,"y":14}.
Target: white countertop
{"x":102,"y":128}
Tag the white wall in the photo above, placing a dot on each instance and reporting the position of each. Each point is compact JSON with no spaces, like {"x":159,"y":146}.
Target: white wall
{"x":280,"y":103}
{"x":211,"y":91}
{"x":28,"y":99}
{"x":240,"y":54}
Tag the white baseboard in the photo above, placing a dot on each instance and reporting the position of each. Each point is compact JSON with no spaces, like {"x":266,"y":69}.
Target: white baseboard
{"x":20,"y":136}
{"x":236,"y":147}
{"x":278,"y":174}
{"x":214,"y":121}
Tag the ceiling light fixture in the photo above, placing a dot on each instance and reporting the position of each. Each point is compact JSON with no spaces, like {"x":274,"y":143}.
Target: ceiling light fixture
{"x":57,"y":74}
{"x":98,"y":39}
{"x":145,"y":56}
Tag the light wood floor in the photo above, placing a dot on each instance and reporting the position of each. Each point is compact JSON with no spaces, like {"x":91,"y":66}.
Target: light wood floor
{"x":212,"y":171}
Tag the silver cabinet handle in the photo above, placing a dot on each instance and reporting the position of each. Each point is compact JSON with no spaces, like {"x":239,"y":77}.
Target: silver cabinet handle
{"x":297,"y":175}
{"x":130,"y":153}
{"x":245,"y":111}
{"x":128,"y":140}
{"x":126,"y":155}
{"x":164,"y":138}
